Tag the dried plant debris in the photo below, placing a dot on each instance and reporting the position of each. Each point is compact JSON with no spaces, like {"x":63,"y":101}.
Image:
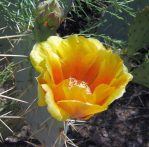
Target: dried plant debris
{"x":21,"y":139}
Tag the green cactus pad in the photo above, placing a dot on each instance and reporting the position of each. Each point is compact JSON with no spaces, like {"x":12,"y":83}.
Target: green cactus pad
{"x":141,"y":74}
{"x":138,"y":36}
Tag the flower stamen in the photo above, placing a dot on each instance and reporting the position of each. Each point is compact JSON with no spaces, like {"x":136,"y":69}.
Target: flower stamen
{"x":81,"y":84}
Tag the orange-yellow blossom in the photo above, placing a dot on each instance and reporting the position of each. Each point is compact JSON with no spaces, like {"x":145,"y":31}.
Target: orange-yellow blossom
{"x":78,"y":76}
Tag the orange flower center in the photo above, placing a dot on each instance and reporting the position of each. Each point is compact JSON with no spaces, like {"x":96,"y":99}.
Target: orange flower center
{"x":80,"y":84}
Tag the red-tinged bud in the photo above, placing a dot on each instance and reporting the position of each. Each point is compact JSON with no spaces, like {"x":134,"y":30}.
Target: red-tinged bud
{"x":49,"y":16}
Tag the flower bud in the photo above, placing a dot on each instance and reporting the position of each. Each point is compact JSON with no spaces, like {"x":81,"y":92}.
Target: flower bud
{"x":49,"y":15}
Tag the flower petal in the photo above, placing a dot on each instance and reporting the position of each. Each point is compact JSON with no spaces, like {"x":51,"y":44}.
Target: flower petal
{"x":115,"y":95}
{"x":80,"y":110}
{"x":41,"y":96}
{"x":71,"y":89}
{"x":53,"y":108}
{"x":37,"y":57}
{"x":44,"y":58}
{"x":106,"y":94}
{"x":78,"y":54}
{"x":56,"y":55}
{"x":109,"y":65}
{"x":119,"y":84}
{"x":102,"y":93}
{"x":121,"y":79}
{"x":43,"y":78}
{"x":54,"y":68}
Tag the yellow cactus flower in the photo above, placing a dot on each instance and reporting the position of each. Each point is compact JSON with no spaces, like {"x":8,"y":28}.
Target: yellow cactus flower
{"x":78,"y":77}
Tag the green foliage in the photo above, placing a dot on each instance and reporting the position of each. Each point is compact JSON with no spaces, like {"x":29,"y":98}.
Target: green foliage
{"x":141,"y":74}
{"x":138,"y":41}
{"x":18,"y":13}
{"x":138,"y":36}
{"x":6,"y":73}
{"x":91,"y":14}
{"x":66,"y":4}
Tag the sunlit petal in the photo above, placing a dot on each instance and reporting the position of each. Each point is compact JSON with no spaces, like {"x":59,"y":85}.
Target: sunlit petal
{"x":77,"y":109}
{"x":53,"y":108}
